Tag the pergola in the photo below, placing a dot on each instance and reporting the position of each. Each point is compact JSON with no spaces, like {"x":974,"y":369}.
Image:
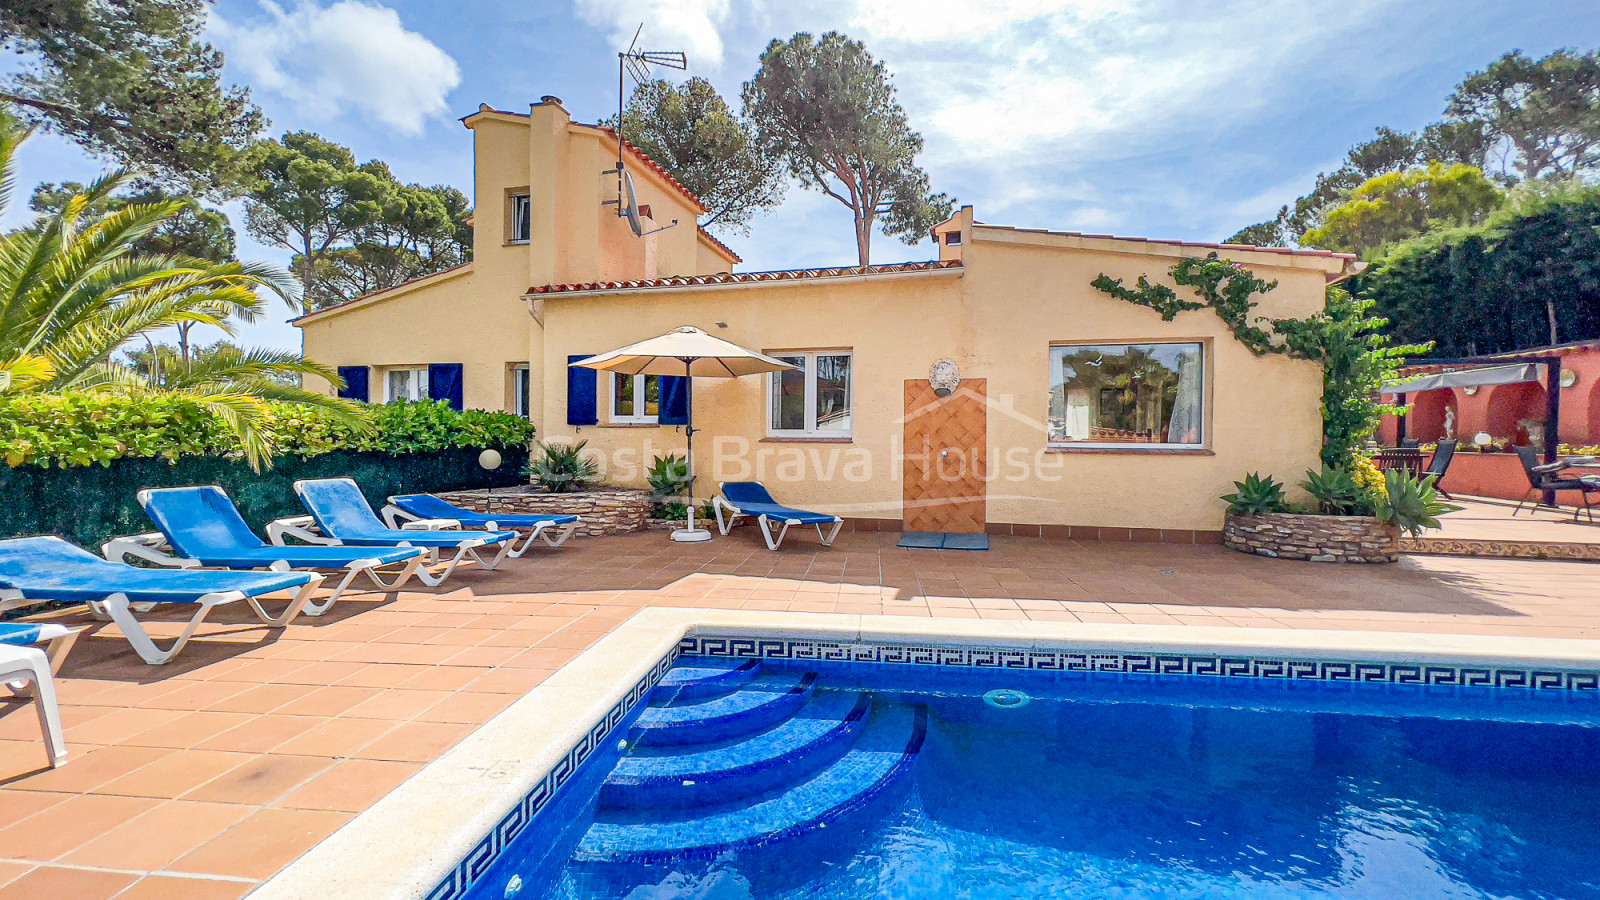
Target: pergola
{"x":1489,"y":370}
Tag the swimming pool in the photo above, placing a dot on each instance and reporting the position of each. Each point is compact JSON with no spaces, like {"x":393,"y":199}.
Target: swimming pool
{"x":773,"y":779}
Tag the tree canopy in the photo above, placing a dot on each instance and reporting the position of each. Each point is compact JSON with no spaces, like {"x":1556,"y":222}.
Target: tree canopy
{"x":1400,"y":205}
{"x":827,"y":108}
{"x":193,"y":230}
{"x":716,"y":154}
{"x":352,"y":227}
{"x":130,"y":79}
{"x":1520,"y":118}
{"x":1528,"y":275}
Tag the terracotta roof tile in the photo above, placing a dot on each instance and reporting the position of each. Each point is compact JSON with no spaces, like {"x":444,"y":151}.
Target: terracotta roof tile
{"x":724,"y":247}
{"x":744,"y":277}
{"x":652,"y":164}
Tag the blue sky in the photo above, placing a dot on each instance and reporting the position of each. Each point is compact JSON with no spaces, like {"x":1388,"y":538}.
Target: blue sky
{"x":1159,"y":118}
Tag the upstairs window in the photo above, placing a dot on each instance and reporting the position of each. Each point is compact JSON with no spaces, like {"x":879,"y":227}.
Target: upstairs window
{"x":1127,"y":395}
{"x":813,"y":399}
{"x":519,"y":221}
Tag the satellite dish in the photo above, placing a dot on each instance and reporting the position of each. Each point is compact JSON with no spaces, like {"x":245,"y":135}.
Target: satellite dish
{"x":630,"y":205}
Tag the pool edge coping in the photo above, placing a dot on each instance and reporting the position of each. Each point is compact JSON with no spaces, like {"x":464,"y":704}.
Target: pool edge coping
{"x":449,"y":806}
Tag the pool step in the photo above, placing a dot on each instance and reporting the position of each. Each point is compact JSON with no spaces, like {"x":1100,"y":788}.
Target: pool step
{"x":884,"y":750}
{"x":764,"y":702}
{"x":817,"y":735}
{"x":705,"y":678}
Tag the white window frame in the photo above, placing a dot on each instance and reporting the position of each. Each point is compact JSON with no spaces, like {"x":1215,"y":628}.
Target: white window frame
{"x":638,"y":401}
{"x":522,"y":391}
{"x":810,"y":430}
{"x":419,"y":383}
{"x":1205,"y":400}
{"x":511,"y":230}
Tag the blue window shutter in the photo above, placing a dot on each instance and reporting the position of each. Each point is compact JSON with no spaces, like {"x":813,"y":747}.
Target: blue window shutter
{"x":444,"y":383}
{"x":582,"y":387}
{"x":355,"y":383}
{"x":674,"y":400}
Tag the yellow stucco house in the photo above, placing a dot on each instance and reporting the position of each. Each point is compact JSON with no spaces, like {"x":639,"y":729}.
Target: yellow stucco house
{"x":1076,"y":414}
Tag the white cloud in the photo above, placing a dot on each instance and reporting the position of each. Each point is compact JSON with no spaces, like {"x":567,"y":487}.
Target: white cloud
{"x":693,"y":26}
{"x":351,"y":55}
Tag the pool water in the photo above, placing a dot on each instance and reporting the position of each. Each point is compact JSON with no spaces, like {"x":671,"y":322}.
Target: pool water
{"x":749,"y":780}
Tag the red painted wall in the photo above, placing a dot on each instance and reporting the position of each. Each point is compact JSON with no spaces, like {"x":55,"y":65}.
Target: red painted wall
{"x":1499,"y":408}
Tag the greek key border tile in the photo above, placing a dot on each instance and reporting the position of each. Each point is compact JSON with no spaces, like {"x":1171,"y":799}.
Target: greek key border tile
{"x":1141,"y":663}
{"x":488,"y":850}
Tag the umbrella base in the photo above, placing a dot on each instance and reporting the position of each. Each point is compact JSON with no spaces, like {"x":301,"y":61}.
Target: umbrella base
{"x":690,"y":535}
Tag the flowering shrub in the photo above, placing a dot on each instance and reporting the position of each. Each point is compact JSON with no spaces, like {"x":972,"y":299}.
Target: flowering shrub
{"x":68,"y":430}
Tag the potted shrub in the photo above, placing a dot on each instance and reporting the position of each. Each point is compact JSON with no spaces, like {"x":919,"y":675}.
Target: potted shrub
{"x":1357,"y":514}
{"x":562,"y":468}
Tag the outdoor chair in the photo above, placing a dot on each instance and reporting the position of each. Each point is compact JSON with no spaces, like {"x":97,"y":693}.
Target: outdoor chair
{"x":340,"y":516}
{"x":202,"y":527}
{"x":40,"y":569}
{"x":421,"y":510}
{"x":752,"y":499}
{"x":25,"y":665}
{"x":57,"y":639}
{"x":1547,"y":477}
{"x":1439,"y":464}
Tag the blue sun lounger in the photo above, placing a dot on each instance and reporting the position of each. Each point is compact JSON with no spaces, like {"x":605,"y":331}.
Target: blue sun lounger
{"x":37,"y":569}
{"x":341,"y":517}
{"x":202,"y":527}
{"x":57,"y":639}
{"x":426,"y":508}
{"x":752,"y":499}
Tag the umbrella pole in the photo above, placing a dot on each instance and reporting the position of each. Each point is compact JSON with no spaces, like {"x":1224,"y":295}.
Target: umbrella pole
{"x":691,"y":533}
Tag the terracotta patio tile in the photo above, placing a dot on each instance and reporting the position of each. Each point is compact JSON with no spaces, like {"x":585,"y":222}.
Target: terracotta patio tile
{"x":175,"y":774}
{"x":261,"y":780}
{"x":334,"y":700}
{"x":18,"y":805}
{"x":336,"y":737}
{"x":261,"y":699}
{"x":197,"y":695}
{"x":350,"y":786}
{"x":188,"y":729}
{"x":69,"y":824}
{"x":396,"y":705}
{"x":261,"y":844}
{"x":166,"y":887}
{"x":415,"y":742}
{"x":10,"y":870}
{"x":259,"y":734}
{"x":466,"y":708}
{"x":90,"y":771}
{"x":56,"y":881}
{"x":159,"y":836}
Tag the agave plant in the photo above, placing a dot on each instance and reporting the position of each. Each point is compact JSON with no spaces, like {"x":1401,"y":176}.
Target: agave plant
{"x":1411,"y":503}
{"x":562,"y":468}
{"x":1256,"y":496}
{"x":74,"y":290}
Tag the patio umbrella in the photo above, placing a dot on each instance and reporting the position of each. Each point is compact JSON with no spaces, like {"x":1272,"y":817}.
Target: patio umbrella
{"x":692,"y":353}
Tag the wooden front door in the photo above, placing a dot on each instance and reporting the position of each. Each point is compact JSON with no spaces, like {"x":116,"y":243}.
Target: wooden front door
{"x":945,"y":458}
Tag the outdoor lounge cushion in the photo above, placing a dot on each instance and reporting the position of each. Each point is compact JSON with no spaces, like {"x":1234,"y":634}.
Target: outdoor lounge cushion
{"x":49,"y":568}
{"x":427,"y":506}
{"x":201,"y":523}
{"x":341,"y":512}
{"x":25,"y":633}
{"x":752,"y":498}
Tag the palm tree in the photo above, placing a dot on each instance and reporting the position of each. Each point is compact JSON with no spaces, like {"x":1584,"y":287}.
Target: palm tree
{"x":73,"y":290}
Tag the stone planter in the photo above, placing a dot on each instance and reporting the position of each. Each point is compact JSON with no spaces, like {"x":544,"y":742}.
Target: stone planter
{"x":604,"y":510}
{"x":1350,"y":539}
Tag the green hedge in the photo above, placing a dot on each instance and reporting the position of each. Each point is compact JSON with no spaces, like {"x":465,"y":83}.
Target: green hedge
{"x":90,"y":504}
{"x":85,"y":429}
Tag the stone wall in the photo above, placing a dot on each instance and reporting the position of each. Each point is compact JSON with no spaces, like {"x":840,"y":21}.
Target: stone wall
{"x":604,"y":510}
{"x":1352,"y":539}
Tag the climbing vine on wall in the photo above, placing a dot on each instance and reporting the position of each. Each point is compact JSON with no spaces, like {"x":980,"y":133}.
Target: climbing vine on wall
{"x":1345,"y":338}
{"x":1224,"y":286}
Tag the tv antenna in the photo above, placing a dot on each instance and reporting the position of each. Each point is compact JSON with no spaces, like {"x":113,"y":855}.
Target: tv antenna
{"x":637,"y":63}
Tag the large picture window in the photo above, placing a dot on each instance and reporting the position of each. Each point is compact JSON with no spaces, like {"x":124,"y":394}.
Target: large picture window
{"x":1127,"y":395}
{"x":635,"y":399}
{"x":813,"y":399}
